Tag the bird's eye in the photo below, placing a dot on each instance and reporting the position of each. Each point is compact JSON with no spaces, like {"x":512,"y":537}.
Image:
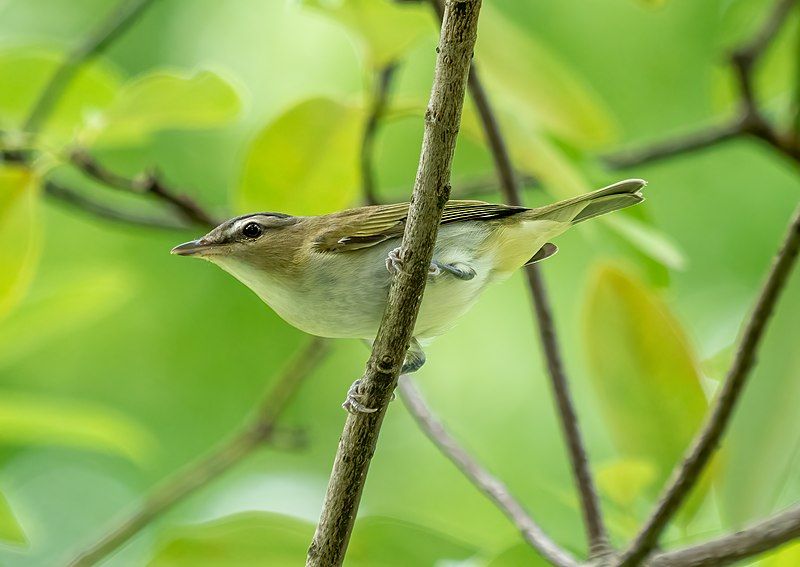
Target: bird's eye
{"x":252,"y":230}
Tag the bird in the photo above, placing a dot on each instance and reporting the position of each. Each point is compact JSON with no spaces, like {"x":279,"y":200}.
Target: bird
{"x":329,"y":275}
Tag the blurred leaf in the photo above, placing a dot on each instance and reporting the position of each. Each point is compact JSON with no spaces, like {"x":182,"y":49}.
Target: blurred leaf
{"x":652,"y":3}
{"x":10,"y":530}
{"x":162,"y":101}
{"x":261,"y":538}
{"x":75,"y":304}
{"x":384,"y":29}
{"x":24,"y":73}
{"x":32,"y":420}
{"x":536,"y":87}
{"x":517,"y":556}
{"x":644,"y":371}
{"x":252,"y":538}
{"x":305,"y":161}
{"x":648,"y":240}
{"x":18,"y":257}
{"x":624,"y":481}
{"x":785,"y":556}
{"x":387,"y":542}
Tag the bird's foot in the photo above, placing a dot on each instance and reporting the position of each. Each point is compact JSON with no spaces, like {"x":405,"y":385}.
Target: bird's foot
{"x":353,"y":402}
{"x":394,"y":264}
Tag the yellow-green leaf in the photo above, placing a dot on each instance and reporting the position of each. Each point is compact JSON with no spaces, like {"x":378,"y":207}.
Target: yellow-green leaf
{"x":785,"y":556}
{"x":24,"y":73}
{"x":624,"y":481}
{"x":162,"y":101}
{"x":648,"y":240}
{"x":26,"y":419}
{"x":19,"y":230}
{"x":535,"y":86}
{"x":305,"y":161}
{"x":384,"y":29}
{"x":75,"y":303}
{"x":10,"y":530}
{"x":643,"y":369}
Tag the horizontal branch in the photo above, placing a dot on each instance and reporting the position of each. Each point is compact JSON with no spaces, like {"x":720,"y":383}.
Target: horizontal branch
{"x":756,"y":539}
{"x":487,"y":483}
{"x":77,"y":201}
{"x":147,"y":183}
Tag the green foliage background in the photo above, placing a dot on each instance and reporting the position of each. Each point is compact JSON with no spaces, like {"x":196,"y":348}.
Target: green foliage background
{"x":119,"y":364}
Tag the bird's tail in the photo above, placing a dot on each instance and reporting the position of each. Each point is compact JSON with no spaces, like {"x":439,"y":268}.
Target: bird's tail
{"x":578,"y":209}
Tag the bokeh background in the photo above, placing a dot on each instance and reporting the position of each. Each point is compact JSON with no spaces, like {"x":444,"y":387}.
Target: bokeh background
{"x":120,"y":364}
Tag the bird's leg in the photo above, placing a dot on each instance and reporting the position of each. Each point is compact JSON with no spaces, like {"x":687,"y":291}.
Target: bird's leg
{"x":415,"y":358}
{"x":394,"y":263}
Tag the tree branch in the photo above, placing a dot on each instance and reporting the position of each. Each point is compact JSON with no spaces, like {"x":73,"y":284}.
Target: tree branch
{"x":761,"y":537}
{"x":685,"y":476}
{"x":491,"y":486}
{"x":77,"y":201}
{"x":590,"y":505}
{"x":751,"y":121}
{"x":147,"y":183}
{"x":197,"y":475}
{"x":431,"y":191}
{"x":377,"y":108}
{"x":123,"y":16}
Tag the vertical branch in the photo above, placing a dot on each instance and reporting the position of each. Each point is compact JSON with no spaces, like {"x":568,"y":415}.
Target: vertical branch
{"x":431,"y":189}
{"x":125,"y":14}
{"x":685,"y":476}
{"x":590,"y":504}
{"x":198,"y":475}
{"x":377,"y":108}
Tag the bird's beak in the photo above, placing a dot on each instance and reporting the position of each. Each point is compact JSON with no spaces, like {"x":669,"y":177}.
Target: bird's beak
{"x":193,"y":248}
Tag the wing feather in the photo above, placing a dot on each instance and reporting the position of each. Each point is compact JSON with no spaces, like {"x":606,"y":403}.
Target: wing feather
{"x":368,"y":226}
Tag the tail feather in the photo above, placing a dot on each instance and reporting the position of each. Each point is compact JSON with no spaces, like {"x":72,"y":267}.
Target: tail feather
{"x":608,"y":199}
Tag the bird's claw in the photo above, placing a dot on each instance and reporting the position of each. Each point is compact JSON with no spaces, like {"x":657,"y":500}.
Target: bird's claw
{"x":394,"y":264}
{"x":352,"y":403}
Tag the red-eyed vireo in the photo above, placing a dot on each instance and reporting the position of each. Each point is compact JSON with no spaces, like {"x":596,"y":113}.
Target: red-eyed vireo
{"x":329,"y":275}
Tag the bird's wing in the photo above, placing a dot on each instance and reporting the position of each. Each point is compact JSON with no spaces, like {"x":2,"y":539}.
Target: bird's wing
{"x":371,"y":225}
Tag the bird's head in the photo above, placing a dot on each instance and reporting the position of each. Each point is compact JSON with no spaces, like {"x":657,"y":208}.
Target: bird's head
{"x":260,"y":241}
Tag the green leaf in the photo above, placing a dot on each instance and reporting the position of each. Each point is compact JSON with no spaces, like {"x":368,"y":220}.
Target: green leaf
{"x":384,"y":29}
{"x":261,"y":538}
{"x":305,"y":161}
{"x":785,"y":556}
{"x":24,"y":73}
{"x":648,"y":240}
{"x":624,"y":481}
{"x":32,"y":420}
{"x":18,"y":202}
{"x":537,"y":88}
{"x":74,"y":304}
{"x":516,"y":556}
{"x":10,"y":530}
{"x":247,"y":539}
{"x":163,"y":101}
{"x":644,"y":371}
{"x":384,"y":542}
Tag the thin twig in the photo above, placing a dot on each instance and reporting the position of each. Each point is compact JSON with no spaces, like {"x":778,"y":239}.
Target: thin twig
{"x":431,"y":190}
{"x":763,"y":536}
{"x":125,"y":14}
{"x":377,"y":108}
{"x":77,"y":201}
{"x":148,"y":183}
{"x":198,"y":475}
{"x":692,"y":142}
{"x":487,"y":483}
{"x":590,"y":504}
{"x":750,"y":122}
{"x":685,"y":476}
